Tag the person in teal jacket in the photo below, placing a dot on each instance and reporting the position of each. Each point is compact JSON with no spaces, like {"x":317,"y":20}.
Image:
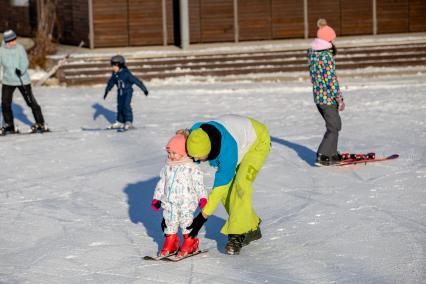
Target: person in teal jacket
{"x":14,"y":64}
{"x":237,"y":147}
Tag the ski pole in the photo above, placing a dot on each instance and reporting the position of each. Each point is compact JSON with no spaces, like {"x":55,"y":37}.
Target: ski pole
{"x":24,"y":90}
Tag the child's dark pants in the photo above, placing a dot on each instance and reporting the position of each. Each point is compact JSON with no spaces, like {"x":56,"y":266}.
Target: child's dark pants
{"x":333,"y":123}
{"x":124,"y":108}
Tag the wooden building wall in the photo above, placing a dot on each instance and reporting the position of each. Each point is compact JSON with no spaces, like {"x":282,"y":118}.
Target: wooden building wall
{"x":328,"y":9}
{"x":417,"y":16}
{"x":254,"y":19}
{"x":141,"y":23}
{"x":16,"y":18}
{"x":392,"y":16}
{"x":356,"y":17}
{"x":73,"y":22}
{"x":287,"y":19}
{"x":131,"y":22}
{"x":110,"y":23}
{"x":211,"y":20}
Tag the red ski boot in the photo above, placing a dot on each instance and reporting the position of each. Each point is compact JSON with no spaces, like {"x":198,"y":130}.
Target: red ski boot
{"x":171,"y":245}
{"x":189,"y":246}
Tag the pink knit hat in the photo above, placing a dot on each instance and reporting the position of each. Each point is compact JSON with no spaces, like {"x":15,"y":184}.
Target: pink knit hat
{"x":326,"y":33}
{"x":177,"y":144}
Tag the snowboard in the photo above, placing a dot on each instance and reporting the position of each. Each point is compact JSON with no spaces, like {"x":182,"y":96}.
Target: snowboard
{"x":174,"y":257}
{"x":354,"y":161}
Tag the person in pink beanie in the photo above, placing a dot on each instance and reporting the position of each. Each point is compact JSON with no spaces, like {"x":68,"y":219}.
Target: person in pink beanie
{"x":326,"y":92}
{"x":325,"y":36}
{"x":180,"y":191}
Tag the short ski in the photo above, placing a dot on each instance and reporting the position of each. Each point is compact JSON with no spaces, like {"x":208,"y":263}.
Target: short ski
{"x":176,"y":258}
{"x":36,"y":131}
{"x":106,"y":129}
{"x":365,"y":161}
{"x":24,"y":133}
{"x":158,"y":257}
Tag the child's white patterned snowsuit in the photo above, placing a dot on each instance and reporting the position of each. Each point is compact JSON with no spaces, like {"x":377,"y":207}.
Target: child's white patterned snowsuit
{"x":179,"y":189}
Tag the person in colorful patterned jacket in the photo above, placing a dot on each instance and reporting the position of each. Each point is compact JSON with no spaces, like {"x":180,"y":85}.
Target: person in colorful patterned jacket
{"x":124,"y":80}
{"x":237,"y":147}
{"x":180,"y":191}
{"x":326,"y":91}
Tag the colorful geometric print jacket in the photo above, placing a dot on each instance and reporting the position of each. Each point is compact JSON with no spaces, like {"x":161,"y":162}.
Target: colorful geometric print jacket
{"x":323,"y":77}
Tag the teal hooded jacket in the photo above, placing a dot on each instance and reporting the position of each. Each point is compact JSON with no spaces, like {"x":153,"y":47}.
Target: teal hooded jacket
{"x":12,"y":58}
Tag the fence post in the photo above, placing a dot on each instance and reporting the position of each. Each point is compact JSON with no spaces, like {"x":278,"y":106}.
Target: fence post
{"x":305,"y":18}
{"x":374,"y":17}
{"x":236,"y":25}
{"x":184,"y":24}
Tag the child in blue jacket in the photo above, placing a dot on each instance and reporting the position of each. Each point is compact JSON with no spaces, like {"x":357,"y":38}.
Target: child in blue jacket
{"x":124,"y":80}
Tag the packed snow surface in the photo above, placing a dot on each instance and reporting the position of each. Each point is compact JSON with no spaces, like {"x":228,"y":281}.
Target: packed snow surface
{"x":75,"y":204}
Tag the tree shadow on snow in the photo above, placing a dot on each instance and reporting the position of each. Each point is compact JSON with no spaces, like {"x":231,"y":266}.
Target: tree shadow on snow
{"x":139,"y":196}
{"x":100,"y":110}
{"x":303,"y":152}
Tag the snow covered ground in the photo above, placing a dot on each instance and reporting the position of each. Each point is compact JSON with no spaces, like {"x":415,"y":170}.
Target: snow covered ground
{"x":75,"y":205}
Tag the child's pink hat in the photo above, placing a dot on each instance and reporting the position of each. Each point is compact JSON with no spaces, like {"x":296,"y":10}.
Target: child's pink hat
{"x":326,"y":33}
{"x":177,"y":144}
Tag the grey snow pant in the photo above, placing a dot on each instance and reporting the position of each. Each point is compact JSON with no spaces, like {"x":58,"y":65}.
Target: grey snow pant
{"x":333,"y":123}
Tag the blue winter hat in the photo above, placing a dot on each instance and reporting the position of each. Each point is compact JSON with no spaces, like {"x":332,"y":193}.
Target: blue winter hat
{"x":9,"y":35}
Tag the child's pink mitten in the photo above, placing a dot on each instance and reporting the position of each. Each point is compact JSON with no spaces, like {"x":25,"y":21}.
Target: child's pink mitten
{"x":156,"y":204}
{"x":202,"y":203}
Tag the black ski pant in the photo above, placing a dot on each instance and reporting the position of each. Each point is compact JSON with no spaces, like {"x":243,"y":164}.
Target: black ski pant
{"x":6,"y":103}
{"x":333,"y":123}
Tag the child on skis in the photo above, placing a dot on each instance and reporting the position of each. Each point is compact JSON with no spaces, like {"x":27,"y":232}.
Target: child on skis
{"x":14,"y":62}
{"x":326,"y":91}
{"x":179,"y":192}
{"x":124,"y":80}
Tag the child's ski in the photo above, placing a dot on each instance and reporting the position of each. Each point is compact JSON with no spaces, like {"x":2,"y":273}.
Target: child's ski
{"x":107,"y":129}
{"x":158,"y":257}
{"x":365,"y":161}
{"x":175,"y":258}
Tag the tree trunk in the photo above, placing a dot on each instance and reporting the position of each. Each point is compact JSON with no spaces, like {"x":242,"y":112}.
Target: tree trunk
{"x":43,"y":41}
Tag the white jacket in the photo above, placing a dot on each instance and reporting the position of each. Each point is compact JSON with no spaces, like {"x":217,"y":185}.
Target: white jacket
{"x":180,"y":187}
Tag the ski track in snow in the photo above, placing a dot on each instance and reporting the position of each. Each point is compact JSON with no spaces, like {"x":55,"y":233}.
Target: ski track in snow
{"x":75,"y":205}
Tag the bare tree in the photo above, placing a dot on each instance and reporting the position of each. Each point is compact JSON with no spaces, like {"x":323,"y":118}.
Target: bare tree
{"x":43,"y":40}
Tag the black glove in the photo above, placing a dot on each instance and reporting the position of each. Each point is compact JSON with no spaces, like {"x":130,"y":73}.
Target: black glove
{"x":163,"y":225}
{"x":196,"y":225}
{"x":105,"y":95}
{"x":18,"y":72}
{"x":146,"y":93}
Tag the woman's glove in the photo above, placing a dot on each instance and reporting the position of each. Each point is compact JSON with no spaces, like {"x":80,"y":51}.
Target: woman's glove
{"x":18,"y":72}
{"x":340,"y":103}
{"x":156,"y":204}
{"x":202,"y":203}
{"x":196,"y":225}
